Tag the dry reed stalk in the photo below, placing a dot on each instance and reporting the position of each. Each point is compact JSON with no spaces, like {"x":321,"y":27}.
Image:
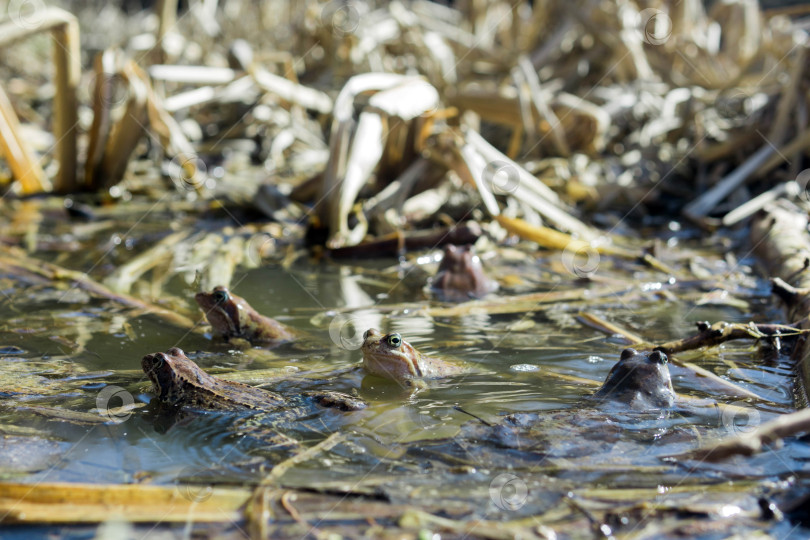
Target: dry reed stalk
{"x":64,"y":28}
{"x":97,"y":503}
{"x":128,"y":131}
{"x":21,"y":159}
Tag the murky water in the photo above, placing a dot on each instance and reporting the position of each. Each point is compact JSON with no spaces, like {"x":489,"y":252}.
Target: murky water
{"x":63,"y":349}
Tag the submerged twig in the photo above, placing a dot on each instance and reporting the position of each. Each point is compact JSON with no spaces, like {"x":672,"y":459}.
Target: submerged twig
{"x":754,"y":441}
{"x":13,"y":258}
{"x":281,"y":468}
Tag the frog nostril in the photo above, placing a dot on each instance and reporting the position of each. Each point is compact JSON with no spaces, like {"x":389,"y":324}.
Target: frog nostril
{"x":160,"y":360}
{"x":658,"y":357}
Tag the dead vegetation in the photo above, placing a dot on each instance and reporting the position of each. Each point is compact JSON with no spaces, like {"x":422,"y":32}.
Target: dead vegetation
{"x":376,"y":114}
{"x":357,"y":129}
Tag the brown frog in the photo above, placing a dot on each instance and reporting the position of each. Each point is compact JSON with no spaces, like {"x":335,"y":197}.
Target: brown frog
{"x":461,"y":275}
{"x":179,"y":382}
{"x":232,"y":318}
{"x":390,"y":356}
{"x":640,"y":379}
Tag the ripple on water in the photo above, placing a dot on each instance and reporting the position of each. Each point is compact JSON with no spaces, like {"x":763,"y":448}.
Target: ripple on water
{"x":192,"y":443}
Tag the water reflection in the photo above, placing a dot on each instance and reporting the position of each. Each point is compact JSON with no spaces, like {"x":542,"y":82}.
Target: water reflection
{"x":447,"y":440}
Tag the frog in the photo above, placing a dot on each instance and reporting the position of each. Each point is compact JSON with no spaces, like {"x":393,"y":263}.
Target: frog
{"x":390,"y":356}
{"x":640,"y":380}
{"x":461,"y":275}
{"x":233,"y":318}
{"x":624,"y":423}
{"x":179,"y":382}
{"x":639,"y":383}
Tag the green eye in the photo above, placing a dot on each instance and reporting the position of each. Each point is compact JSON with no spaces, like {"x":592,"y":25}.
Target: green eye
{"x":221,"y":296}
{"x":394,"y":340}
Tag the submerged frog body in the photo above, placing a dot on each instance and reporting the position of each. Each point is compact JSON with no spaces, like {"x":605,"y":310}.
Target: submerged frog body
{"x":595,"y":433}
{"x":390,"y":356}
{"x":639,"y":379}
{"x":461,"y":275}
{"x":180,"y":382}
{"x":232,"y":317}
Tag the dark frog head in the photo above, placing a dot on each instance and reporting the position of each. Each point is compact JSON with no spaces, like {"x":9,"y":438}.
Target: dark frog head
{"x":169,"y":372}
{"x":640,"y":379}
{"x":461,"y":275}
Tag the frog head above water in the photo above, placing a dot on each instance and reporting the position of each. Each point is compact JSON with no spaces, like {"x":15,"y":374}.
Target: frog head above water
{"x":390,"y":356}
{"x":169,"y":373}
{"x":232,"y":317}
{"x":178,"y":381}
{"x":461,"y":275}
{"x":640,"y":379}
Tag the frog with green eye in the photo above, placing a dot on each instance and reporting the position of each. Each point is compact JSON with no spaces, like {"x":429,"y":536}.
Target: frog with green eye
{"x":233,"y":318}
{"x":390,"y":356}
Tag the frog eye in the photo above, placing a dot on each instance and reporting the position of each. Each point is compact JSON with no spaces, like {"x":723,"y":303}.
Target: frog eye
{"x":628,"y":353}
{"x":658,"y":357}
{"x":394,"y":340}
{"x":221,"y":296}
{"x":160,"y":360}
